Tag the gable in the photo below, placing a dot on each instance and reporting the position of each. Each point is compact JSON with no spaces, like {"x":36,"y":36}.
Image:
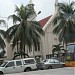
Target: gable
{"x":44,"y":21}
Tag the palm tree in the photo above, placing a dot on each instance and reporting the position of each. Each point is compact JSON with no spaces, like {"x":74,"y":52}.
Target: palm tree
{"x":65,"y":23}
{"x":2,"y":43}
{"x":19,"y":53}
{"x":57,"y":49}
{"x":25,"y":32}
{"x":4,"y":39}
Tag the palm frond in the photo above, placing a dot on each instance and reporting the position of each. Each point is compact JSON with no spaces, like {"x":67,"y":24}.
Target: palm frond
{"x":15,"y":18}
{"x":3,"y":21}
{"x":3,"y":33}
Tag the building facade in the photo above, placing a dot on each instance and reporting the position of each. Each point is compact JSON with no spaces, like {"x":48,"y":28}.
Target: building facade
{"x":44,"y":46}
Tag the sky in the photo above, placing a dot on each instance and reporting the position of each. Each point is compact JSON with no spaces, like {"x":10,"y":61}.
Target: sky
{"x":46,"y":7}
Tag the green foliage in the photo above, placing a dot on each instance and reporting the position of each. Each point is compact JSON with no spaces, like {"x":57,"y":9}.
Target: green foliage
{"x":2,"y":36}
{"x":65,"y":23}
{"x":20,"y":54}
{"x":24,"y":32}
{"x":58,"y":49}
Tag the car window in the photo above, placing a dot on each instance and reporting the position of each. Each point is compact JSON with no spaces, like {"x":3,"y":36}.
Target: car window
{"x":31,"y":61}
{"x":10,"y":64}
{"x":51,"y":61}
{"x":18,"y":63}
{"x":56,"y":61}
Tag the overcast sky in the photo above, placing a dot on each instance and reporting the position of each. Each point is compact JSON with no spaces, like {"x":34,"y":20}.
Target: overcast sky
{"x":45,"y":6}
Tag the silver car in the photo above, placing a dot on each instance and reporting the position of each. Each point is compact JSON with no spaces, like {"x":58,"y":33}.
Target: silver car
{"x":52,"y":63}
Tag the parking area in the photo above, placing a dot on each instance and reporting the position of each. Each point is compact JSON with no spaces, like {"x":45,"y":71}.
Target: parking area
{"x":58,"y":71}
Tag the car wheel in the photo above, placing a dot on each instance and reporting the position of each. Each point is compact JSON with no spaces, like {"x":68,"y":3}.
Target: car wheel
{"x":62,"y":65}
{"x":27,"y":69}
{"x":50,"y":67}
{"x":1,"y":73}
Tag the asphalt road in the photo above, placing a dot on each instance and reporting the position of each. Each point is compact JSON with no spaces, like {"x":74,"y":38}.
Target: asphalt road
{"x":59,"y":71}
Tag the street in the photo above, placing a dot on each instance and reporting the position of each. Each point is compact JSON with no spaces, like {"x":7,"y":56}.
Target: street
{"x":59,"y":71}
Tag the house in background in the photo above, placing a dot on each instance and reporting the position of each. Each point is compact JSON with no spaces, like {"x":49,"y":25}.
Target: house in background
{"x":44,"y":45}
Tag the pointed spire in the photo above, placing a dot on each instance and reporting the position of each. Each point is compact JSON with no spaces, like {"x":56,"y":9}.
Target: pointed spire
{"x":30,"y":6}
{"x":56,"y":2}
{"x":56,"y":5}
{"x":30,"y":2}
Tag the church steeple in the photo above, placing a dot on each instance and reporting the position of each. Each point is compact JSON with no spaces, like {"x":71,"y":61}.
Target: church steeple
{"x":30,"y":2}
{"x":56,"y":5}
{"x":30,"y":7}
{"x":56,"y":2}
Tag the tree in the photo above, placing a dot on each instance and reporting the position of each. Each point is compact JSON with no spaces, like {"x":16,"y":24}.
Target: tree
{"x":2,"y":43}
{"x":16,"y":54}
{"x":65,"y":23}
{"x":57,"y":49}
{"x":25,"y":32}
{"x":4,"y":39}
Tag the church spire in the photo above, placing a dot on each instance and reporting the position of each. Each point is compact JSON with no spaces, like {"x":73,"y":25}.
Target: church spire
{"x":56,"y":5}
{"x":56,"y":2}
{"x":30,"y":2}
{"x":30,"y":7}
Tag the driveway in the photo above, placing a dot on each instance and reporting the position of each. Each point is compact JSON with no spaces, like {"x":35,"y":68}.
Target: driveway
{"x":59,"y":71}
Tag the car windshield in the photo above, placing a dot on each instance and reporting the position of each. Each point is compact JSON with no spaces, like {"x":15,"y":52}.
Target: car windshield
{"x":4,"y":64}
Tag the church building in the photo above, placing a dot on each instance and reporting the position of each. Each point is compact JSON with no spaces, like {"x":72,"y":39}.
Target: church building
{"x":44,"y":46}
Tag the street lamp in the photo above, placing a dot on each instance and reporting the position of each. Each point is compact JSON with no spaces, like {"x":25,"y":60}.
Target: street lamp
{"x":36,"y":15}
{"x":31,"y":21}
{"x":39,"y":12}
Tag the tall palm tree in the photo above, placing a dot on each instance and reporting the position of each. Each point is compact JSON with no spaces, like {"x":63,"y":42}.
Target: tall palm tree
{"x":2,"y":43}
{"x":2,"y":47}
{"x":65,"y":23}
{"x":25,"y":32}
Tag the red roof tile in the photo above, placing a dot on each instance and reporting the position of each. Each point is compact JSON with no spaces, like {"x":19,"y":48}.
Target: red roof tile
{"x":44,"y":21}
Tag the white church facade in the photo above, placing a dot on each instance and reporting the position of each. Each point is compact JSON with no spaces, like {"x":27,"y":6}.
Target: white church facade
{"x":44,"y":49}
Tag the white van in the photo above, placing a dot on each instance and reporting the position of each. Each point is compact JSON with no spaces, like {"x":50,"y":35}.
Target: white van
{"x":21,"y":65}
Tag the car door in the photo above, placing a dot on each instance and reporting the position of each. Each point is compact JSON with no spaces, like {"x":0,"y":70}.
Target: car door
{"x":52,"y":63}
{"x":30,"y":63}
{"x":19,"y":66}
{"x":57,"y":63}
{"x":9,"y":67}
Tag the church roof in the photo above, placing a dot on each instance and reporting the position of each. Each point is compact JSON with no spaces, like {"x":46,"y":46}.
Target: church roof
{"x":44,"y":21}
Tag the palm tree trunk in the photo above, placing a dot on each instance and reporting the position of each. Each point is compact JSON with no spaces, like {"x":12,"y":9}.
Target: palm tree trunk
{"x":21,"y":47}
{"x":24,"y":43}
{"x":65,"y":47}
{"x":24,"y":49}
{"x":17,"y":46}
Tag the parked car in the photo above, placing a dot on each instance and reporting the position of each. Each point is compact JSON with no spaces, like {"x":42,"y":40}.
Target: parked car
{"x":52,"y":63}
{"x":21,"y":65}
